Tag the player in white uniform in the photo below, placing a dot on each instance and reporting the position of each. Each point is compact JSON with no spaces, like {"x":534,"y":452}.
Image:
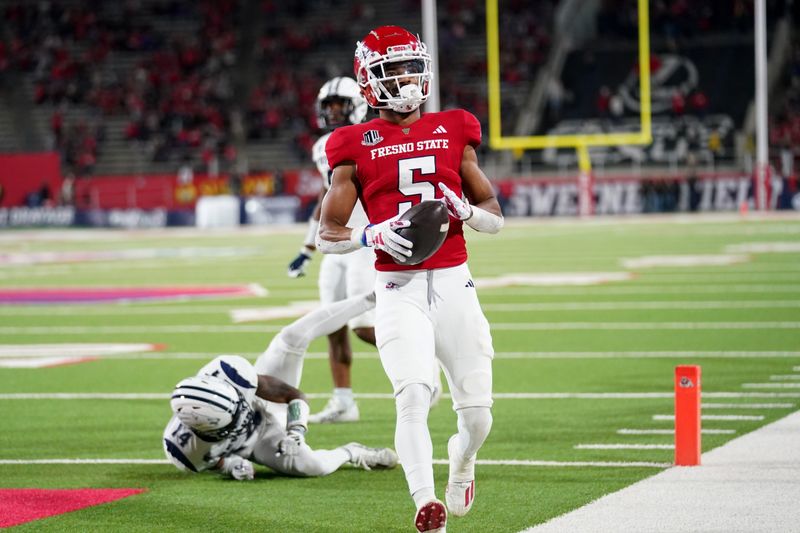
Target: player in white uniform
{"x":339,"y":103}
{"x":232,"y":414}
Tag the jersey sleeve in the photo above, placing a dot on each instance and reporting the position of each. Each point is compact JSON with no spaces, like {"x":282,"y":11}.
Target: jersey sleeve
{"x":472,"y":130}
{"x":185,"y":450}
{"x":338,"y":148}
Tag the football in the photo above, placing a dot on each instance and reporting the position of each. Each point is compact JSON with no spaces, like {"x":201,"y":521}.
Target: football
{"x":428,"y":229}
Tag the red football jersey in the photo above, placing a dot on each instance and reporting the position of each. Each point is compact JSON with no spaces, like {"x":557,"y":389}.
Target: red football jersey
{"x":398,"y":167}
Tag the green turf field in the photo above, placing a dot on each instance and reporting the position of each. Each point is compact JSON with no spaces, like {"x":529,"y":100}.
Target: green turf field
{"x":739,"y":322}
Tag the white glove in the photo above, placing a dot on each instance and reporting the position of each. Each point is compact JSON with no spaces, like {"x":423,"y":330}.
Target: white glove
{"x":290,"y":444}
{"x":238,"y":468}
{"x":458,"y":208}
{"x":383,"y":237}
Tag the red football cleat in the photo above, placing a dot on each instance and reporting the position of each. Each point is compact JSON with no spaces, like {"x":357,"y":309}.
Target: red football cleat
{"x":431,"y":517}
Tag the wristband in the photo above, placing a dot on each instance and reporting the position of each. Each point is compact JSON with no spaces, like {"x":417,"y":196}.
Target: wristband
{"x":482,"y":220}
{"x":359,"y":236}
{"x":297,"y":416}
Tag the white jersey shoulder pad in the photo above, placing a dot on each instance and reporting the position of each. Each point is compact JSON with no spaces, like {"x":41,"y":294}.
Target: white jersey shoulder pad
{"x":235,"y":370}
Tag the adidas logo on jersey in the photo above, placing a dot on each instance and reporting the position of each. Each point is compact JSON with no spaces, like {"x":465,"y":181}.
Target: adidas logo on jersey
{"x":440,"y":129}
{"x":470,"y":284}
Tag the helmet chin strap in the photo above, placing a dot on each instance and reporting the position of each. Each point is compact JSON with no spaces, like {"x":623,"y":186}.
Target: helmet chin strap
{"x":412,"y":98}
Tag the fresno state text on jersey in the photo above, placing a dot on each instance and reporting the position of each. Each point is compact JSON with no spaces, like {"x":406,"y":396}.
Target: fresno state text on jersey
{"x":399,"y":166}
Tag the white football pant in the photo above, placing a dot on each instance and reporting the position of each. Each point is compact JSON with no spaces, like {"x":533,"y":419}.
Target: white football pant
{"x":346,"y":275}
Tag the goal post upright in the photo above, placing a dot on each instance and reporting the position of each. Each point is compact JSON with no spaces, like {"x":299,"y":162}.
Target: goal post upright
{"x":581,"y":143}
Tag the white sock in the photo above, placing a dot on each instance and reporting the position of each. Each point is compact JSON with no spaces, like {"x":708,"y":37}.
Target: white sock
{"x":423,"y":496}
{"x":344,"y":395}
{"x":413,"y":440}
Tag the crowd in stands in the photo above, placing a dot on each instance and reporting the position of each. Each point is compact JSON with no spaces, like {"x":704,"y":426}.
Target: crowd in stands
{"x":177,"y":98}
{"x":177,"y":94}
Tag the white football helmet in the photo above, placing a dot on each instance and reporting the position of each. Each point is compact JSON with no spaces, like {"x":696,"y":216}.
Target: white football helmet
{"x":211,"y":407}
{"x":346,"y":90}
{"x":237,"y":371}
{"x":393,"y":69}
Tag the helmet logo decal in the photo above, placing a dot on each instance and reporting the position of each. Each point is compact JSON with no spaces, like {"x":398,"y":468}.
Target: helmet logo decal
{"x":234,"y":376}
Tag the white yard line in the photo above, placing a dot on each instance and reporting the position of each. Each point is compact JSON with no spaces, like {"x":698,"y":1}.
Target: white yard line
{"x":747,"y":405}
{"x":771,"y":385}
{"x":149,"y":308}
{"x":607,"y":326}
{"x":624,"y":446}
{"x":484,"y":462}
{"x":682,"y":288}
{"x":507,"y":326}
{"x":747,"y":485}
{"x":612,"y":306}
{"x":785,"y":377}
{"x":508,"y":355}
{"x":714,"y":417}
{"x":705,"y":431}
{"x":389,"y":396}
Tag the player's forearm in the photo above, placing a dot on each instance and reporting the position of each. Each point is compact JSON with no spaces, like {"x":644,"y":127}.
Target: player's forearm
{"x":338,"y":239}
{"x":486,"y":216}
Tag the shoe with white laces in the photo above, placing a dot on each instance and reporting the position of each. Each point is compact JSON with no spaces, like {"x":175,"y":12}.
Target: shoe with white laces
{"x":335,"y":411}
{"x":431,"y":517}
{"x":460,"y":491}
{"x":368,"y":458}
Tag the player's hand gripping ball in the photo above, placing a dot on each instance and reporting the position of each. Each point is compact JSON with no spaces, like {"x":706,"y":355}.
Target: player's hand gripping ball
{"x":428,"y":229}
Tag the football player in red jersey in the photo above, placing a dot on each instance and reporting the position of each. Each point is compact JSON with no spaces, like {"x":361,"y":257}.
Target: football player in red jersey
{"x":430,"y":309}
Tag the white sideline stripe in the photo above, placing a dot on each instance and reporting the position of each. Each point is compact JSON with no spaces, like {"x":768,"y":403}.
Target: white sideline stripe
{"x":485,"y":462}
{"x":796,"y":368}
{"x":389,"y":396}
{"x":508,"y":326}
{"x":784,"y":377}
{"x":627,"y":431}
{"x":748,"y":484}
{"x":747,"y":405}
{"x":771,"y":385}
{"x":714,"y":417}
{"x":624,"y":446}
{"x":610,"y":306}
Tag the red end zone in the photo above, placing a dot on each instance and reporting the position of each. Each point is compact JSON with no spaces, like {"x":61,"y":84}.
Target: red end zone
{"x":18,"y":506}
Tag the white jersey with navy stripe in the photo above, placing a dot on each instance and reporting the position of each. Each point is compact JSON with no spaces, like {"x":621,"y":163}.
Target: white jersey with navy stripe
{"x":359,"y":216}
{"x":188,"y":451}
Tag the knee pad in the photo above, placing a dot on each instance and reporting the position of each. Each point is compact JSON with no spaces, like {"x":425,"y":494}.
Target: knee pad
{"x":476,"y":422}
{"x":413,"y":403}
